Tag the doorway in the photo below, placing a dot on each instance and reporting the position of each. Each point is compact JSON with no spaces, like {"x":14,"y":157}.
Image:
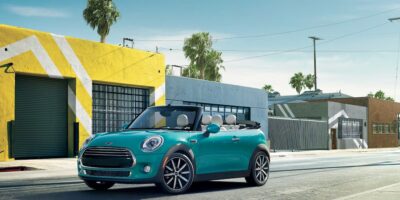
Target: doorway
{"x":333,"y":138}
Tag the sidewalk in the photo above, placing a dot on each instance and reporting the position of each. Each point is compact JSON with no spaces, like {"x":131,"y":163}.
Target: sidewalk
{"x":66,"y":167}
{"x":324,"y":153}
{"x":44,"y":169}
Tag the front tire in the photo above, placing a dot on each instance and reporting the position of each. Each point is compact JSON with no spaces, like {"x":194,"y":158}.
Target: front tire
{"x":99,"y":185}
{"x":259,"y":170}
{"x":177,"y":174}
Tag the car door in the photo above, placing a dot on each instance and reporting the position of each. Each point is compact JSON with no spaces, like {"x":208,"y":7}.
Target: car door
{"x":216,"y":153}
{"x":243,"y":144}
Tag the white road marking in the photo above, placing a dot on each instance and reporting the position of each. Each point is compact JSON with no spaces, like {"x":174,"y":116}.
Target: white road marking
{"x":367,"y":192}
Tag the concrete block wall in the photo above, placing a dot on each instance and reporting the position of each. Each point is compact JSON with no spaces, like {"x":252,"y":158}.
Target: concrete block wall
{"x":180,"y":89}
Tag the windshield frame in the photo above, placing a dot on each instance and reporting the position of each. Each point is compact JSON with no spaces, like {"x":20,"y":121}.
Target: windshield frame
{"x":195,"y":126}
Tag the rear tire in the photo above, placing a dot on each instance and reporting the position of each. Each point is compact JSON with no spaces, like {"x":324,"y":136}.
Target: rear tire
{"x":99,"y":185}
{"x":177,"y":174}
{"x":259,"y":170}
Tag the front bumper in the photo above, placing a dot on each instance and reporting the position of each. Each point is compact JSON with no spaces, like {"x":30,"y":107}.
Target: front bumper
{"x":134,"y":174}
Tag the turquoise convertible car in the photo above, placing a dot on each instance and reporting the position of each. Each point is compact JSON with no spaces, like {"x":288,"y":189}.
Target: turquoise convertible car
{"x":174,"y":146}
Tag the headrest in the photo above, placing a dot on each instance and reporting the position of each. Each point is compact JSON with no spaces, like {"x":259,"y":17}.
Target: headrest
{"x":206,"y":119}
{"x":182,"y":120}
{"x":217,"y":119}
{"x":230,"y":119}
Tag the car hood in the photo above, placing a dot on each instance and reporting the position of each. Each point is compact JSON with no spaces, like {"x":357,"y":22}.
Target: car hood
{"x":133,"y":139}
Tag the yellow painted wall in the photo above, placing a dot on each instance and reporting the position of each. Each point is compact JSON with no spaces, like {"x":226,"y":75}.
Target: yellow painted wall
{"x":44,"y":54}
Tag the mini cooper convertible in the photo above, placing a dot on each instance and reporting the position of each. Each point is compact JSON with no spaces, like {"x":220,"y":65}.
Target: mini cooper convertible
{"x":174,"y":146}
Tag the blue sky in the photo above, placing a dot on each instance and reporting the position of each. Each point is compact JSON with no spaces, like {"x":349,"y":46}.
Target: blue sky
{"x":355,"y":64}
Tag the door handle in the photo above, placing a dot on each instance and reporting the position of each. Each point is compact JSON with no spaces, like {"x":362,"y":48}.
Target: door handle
{"x":235,"y":139}
{"x":193,"y":141}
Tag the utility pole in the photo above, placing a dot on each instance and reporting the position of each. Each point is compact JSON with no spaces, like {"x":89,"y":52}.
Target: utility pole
{"x":397,"y":61}
{"x":315,"y":61}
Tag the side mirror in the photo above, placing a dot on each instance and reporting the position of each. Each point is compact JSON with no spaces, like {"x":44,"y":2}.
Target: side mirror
{"x":212,"y":128}
{"x":125,"y":126}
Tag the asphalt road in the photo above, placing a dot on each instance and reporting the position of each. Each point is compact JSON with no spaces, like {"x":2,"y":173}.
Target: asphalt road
{"x":363,"y":175}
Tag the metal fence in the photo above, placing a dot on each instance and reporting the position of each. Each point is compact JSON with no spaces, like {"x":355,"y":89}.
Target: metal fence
{"x":298,"y":134}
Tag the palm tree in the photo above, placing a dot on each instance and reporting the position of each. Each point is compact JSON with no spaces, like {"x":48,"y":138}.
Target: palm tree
{"x":268,"y":88}
{"x":190,"y":72}
{"x":101,"y":14}
{"x":213,"y":65}
{"x":297,"y":82}
{"x":205,"y":62}
{"x":309,"y":81}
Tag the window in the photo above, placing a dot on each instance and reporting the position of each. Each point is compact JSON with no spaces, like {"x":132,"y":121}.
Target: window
{"x":398,"y":125}
{"x":242,"y":113}
{"x":114,"y":106}
{"x":384,"y":128}
{"x":350,"y":128}
{"x":393,"y":128}
{"x":374,"y":128}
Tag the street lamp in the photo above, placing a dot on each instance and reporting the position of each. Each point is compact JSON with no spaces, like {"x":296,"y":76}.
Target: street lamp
{"x":397,"y":61}
{"x":315,"y":61}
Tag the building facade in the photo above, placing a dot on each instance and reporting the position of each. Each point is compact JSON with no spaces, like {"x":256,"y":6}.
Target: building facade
{"x":383,"y":120}
{"x":218,"y":98}
{"x":55,"y":91}
{"x":347,"y":124}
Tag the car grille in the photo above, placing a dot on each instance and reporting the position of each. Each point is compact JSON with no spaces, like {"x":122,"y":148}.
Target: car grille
{"x":108,"y":157}
{"x":108,"y":173}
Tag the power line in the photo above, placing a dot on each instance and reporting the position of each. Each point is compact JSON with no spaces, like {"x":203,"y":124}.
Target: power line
{"x":308,"y":28}
{"x":299,"y":51}
{"x":354,"y":33}
{"x":308,"y":46}
{"x":269,"y":54}
{"x":281,"y":33}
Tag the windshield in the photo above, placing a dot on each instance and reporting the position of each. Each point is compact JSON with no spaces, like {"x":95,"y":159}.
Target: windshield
{"x":169,"y":117}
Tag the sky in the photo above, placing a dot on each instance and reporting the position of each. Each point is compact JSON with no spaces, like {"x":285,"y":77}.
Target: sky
{"x":262,"y":41}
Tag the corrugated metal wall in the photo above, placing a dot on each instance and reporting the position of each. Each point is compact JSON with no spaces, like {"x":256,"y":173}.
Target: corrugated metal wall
{"x":298,"y":134}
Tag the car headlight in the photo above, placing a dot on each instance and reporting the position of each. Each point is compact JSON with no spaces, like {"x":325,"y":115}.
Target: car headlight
{"x":85,"y":144}
{"x":152,"y":143}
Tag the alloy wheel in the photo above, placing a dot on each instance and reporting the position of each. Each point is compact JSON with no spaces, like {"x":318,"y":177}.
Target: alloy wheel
{"x":177,"y":174}
{"x":261,"y":168}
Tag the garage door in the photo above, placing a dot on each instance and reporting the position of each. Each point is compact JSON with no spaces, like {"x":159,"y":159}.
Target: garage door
{"x":40,"y":118}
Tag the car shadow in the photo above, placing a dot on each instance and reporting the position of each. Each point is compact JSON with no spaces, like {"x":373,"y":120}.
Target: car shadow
{"x":136,"y":192}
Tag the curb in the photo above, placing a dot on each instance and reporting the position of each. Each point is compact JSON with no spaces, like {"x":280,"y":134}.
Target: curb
{"x":40,"y":182}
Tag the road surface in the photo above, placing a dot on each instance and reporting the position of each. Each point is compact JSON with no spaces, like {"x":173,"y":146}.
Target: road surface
{"x":361,"y":175}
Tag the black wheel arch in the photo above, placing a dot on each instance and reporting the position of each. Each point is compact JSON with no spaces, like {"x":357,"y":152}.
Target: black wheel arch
{"x":260,"y":147}
{"x":179,"y":148}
